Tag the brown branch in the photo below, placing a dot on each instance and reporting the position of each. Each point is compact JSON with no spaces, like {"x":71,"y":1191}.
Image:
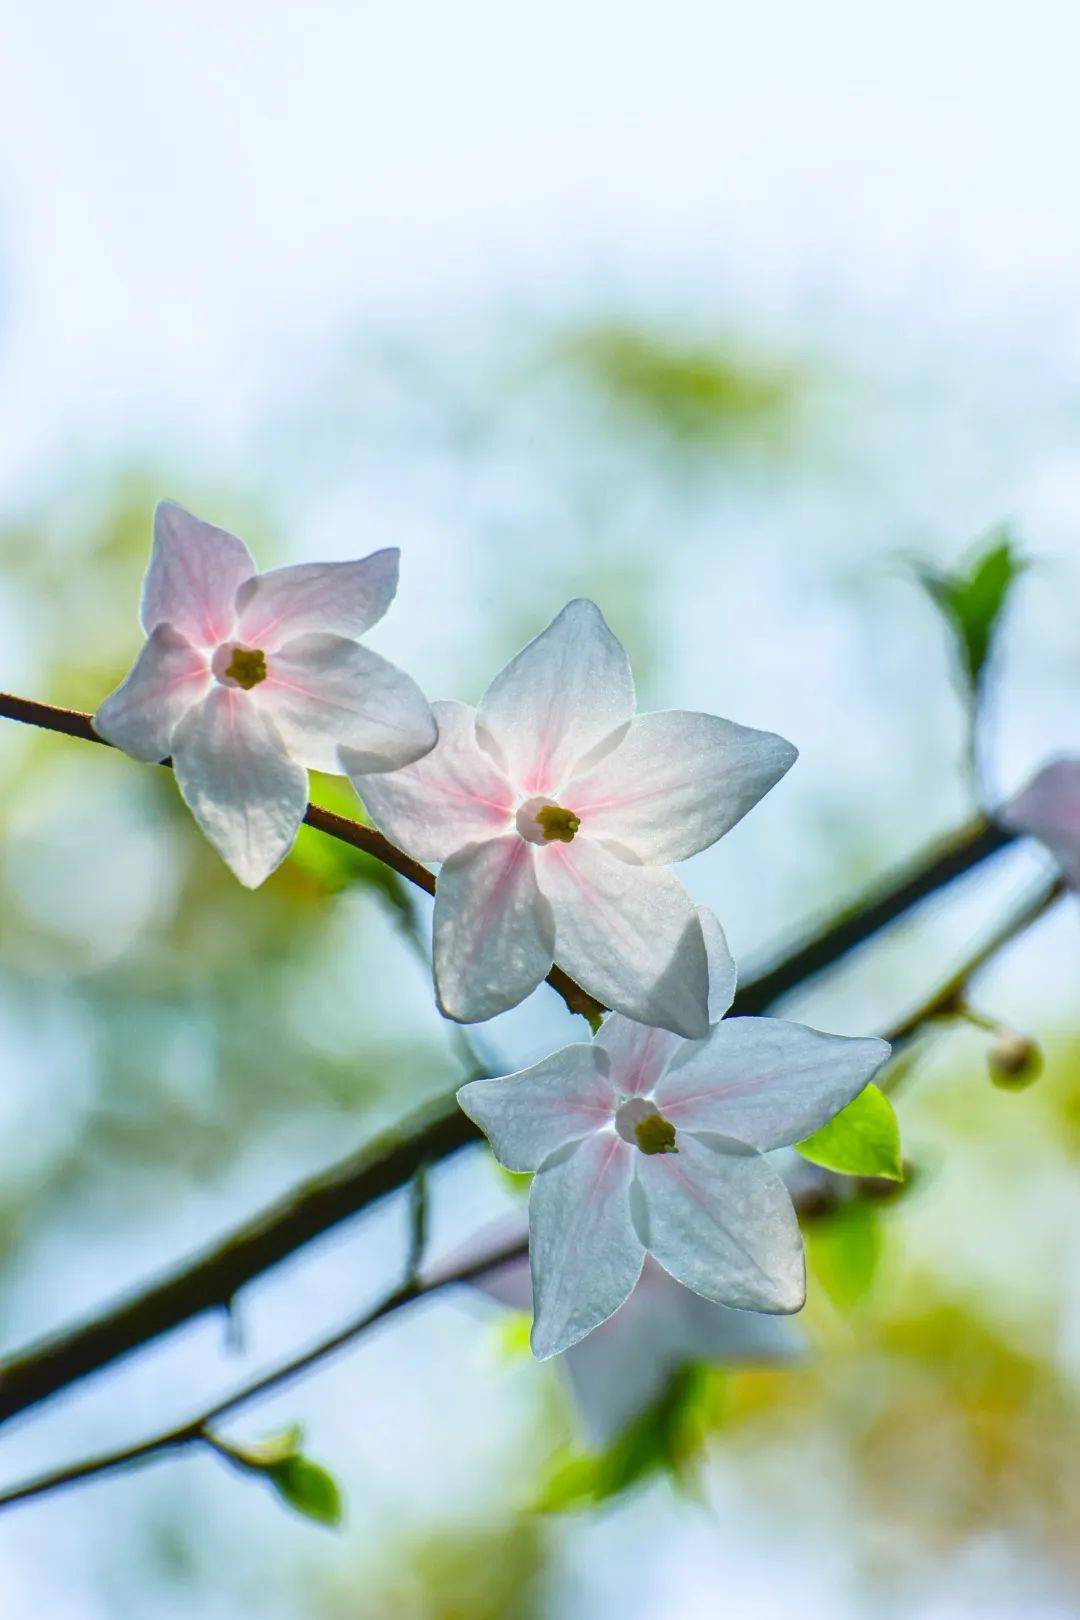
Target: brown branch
{"x":199,"y":1429}
{"x":74,"y":723}
{"x":214,"y":1276}
{"x":812,"y":1204}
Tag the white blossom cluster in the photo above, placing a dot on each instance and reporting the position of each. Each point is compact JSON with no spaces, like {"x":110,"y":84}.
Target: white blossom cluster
{"x":555,"y":813}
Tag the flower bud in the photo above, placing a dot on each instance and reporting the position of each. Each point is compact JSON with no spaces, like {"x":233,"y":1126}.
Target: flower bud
{"x":1015,"y":1060}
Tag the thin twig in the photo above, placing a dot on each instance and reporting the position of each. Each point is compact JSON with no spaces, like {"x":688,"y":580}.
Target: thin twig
{"x":74,"y":723}
{"x":200,"y":1428}
{"x":947,"y":1000}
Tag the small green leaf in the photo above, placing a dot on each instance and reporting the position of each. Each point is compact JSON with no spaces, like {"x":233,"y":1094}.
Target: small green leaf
{"x":845,"y":1251}
{"x":862,"y":1140}
{"x":307,"y":1488}
{"x":973,"y":600}
{"x":663,"y":1438}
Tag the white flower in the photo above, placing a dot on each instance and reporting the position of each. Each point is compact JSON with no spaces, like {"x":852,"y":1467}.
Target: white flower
{"x":248,"y":679}
{"x":1049,"y":810}
{"x":624,"y":1365}
{"x":643,"y":1142}
{"x":556,"y":813}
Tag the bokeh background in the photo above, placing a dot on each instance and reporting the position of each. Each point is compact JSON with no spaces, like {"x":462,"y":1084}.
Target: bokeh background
{"x":720,"y":315}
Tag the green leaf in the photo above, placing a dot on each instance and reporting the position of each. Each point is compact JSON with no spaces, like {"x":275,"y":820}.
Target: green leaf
{"x":307,"y":1488}
{"x":845,"y":1251}
{"x":973,"y":600}
{"x":862,"y":1140}
{"x":663,"y":1438}
{"x":304,"y":1485}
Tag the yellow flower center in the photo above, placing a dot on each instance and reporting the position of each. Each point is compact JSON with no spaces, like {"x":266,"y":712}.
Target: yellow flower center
{"x":655,"y":1134}
{"x":248,"y":667}
{"x":557,"y":823}
{"x":542,"y":822}
{"x":638,"y":1122}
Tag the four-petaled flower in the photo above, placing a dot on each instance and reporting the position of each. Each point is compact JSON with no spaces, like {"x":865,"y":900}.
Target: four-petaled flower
{"x":645,"y":1143}
{"x":556,"y":813}
{"x":249,"y":679}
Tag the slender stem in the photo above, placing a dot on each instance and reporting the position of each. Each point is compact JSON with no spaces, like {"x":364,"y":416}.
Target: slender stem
{"x":74,"y":723}
{"x":948,"y":998}
{"x":199,"y":1428}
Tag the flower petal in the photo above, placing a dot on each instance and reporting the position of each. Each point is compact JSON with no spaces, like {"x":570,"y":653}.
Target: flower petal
{"x":245,"y":792}
{"x":194,"y":574}
{"x":639,"y":1053}
{"x":628,"y":934}
{"x":340,"y":598}
{"x":676,"y":783}
{"x":528,"y":1115}
{"x":723,"y":975}
{"x":168,"y":676}
{"x":326,"y":691}
{"x":453,"y":796}
{"x":766,"y":1082}
{"x":1049,"y":809}
{"x":494,"y":935}
{"x":626,"y":1363}
{"x":564,"y":693}
{"x":584,"y":1251}
{"x":719,"y":1219}
{"x":720,"y":1333}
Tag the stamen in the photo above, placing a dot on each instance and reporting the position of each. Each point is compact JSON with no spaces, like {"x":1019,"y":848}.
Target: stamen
{"x":542,"y":822}
{"x":639,"y":1122}
{"x":557,"y":823}
{"x":248,"y":667}
{"x":655,"y":1134}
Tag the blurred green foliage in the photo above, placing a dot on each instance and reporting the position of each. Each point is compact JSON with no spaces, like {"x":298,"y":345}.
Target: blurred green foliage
{"x":973,"y":599}
{"x":701,"y":393}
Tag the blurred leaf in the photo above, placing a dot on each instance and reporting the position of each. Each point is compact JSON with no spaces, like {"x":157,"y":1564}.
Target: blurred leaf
{"x":696,"y":391}
{"x":307,"y":1488}
{"x":662,"y":1439}
{"x":845,"y":1250}
{"x":863,"y":1139}
{"x":972,"y":601}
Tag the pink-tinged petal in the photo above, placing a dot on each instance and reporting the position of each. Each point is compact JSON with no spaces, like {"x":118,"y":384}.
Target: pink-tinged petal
{"x":719,"y":1219}
{"x":494,"y":935}
{"x":527,"y":1116}
{"x":1049,"y":809}
{"x":326,"y":692}
{"x":563,"y":694}
{"x":628,"y":934}
{"x":766,"y":1082}
{"x":676,"y":783}
{"x":194,"y":574}
{"x":168,"y":676}
{"x":638,"y":1053}
{"x":340,"y":598}
{"x":453,"y":796}
{"x":245,"y":792}
{"x":584,"y":1251}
